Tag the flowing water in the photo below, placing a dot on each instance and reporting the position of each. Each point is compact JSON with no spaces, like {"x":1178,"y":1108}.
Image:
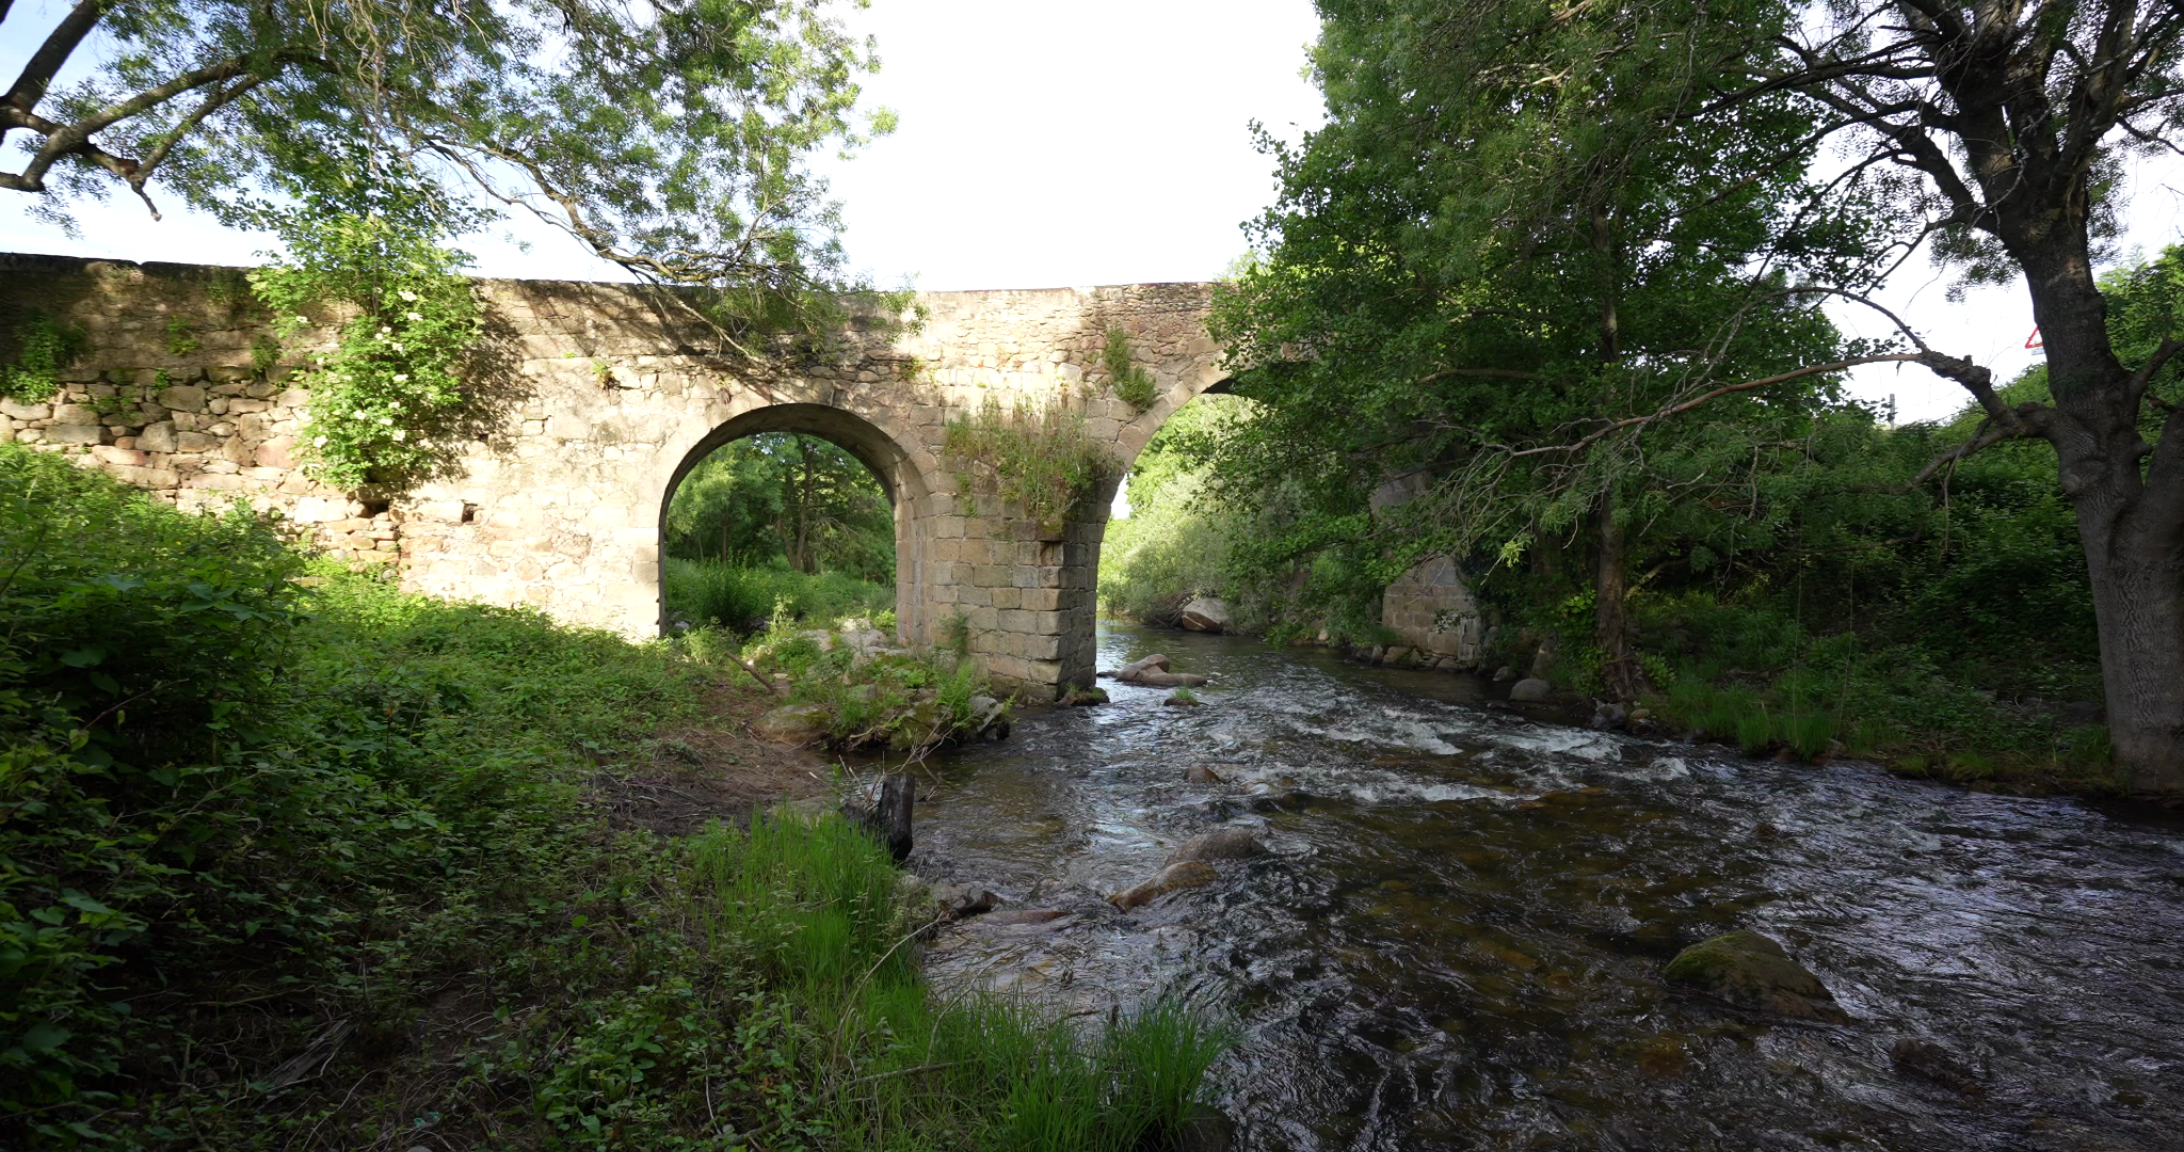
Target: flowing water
{"x":1459,"y":938}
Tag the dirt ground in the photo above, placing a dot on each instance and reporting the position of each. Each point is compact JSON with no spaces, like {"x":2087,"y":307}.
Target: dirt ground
{"x":713,"y":769}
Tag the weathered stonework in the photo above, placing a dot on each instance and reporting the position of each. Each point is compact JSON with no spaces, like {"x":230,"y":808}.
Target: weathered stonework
{"x":602,"y":397}
{"x":1431,"y":611}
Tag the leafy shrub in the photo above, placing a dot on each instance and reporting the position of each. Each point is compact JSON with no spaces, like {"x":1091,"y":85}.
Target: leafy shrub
{"x":394,"y":382}
{"x":42,"y":349}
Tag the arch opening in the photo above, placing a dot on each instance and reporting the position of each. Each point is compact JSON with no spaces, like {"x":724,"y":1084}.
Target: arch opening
{"x":802,"y":505}
{"x":1163,"y":549}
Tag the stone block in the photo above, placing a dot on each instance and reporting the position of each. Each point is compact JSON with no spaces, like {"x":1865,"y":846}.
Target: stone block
{"x":1007,"y":597}
{"x":183,"y":398}
{"x":1040,"y":599}
{"x":276,"y":453}
{"x":319,"y":510}
{"x":74,"y":434}
{"x":195,"y":442}
{"x":17,"y":410}
{"x":113,"y":455}
{"x":1042,"y":647}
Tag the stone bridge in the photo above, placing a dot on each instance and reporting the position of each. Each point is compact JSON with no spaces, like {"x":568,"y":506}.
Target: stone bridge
{"x":602,"y":399}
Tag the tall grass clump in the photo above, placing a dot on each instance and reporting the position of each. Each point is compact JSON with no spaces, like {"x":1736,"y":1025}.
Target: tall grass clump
{"x":707,"y":592}
{"x":812,"y":904}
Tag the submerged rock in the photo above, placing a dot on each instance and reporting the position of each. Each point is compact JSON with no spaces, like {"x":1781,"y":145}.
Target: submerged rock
{"x":1201,"y":774}
{"x":1530,"y":690}
{"x":1226,"y":844}
{"x":1173,"y":878}
{"x":1748,"y":970}
{"x":1085,"y":697}
{"x":1182,"y":701}
{"x":962,"y":899}
{"x":1926,"y":1060}
{"x":1025,"y":916}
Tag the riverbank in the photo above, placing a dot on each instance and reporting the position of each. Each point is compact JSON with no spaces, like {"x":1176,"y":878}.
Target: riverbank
{"x":296,"y":860}
{"x":2033,"y":749}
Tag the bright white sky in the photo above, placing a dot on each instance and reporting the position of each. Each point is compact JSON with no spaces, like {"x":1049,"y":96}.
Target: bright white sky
{"x":1046,"y":145}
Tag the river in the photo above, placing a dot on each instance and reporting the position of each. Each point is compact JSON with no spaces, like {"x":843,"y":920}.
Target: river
{"x":1457,"y":942}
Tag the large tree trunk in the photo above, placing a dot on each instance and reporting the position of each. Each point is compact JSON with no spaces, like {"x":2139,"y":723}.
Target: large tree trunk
{"x":2130,"y":520}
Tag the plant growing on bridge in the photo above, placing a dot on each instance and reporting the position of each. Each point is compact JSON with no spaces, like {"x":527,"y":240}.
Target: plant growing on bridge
{"x":1133,"y":384}
{"x":391,"y":387}
{"x":1038,"y":458}
{"x":43,"y":348}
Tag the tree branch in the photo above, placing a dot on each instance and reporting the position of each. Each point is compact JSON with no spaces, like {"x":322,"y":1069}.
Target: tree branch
{"x":37,"y":75}
{"x":2144,"y":377}
{"x":1595,"y":437}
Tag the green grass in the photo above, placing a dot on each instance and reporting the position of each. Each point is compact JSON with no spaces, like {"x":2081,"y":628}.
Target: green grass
{"x":811,"y":905}
{"x":705,"y":592}
{"x":245,"y":797}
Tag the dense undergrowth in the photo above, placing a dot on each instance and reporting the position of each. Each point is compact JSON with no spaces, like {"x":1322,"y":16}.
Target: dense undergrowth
{"x":1828,"y":611}
{"x":748,"y":598}
{"x":288,"y":859}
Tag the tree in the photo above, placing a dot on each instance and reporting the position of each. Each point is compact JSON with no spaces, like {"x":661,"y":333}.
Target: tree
{"x":669,"y":140}
{"x":1497,"y":239}
{"x":1987,"y":132}
{"x":800,"y":497}
{"x":1995,"y":129}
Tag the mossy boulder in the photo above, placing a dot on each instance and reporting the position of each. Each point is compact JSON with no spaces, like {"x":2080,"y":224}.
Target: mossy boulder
{"x":1748,"y":970}
{"x":794,"y":724}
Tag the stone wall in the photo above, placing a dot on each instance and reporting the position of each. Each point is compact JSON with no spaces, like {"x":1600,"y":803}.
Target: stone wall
{"x":598,"y":399}
{"x":1431,"y":611}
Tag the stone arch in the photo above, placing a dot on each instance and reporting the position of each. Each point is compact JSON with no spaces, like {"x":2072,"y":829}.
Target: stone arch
{"x":902,"y":465}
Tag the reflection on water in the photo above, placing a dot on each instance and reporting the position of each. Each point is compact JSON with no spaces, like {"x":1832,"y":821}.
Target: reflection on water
{"x":1458,"y":941}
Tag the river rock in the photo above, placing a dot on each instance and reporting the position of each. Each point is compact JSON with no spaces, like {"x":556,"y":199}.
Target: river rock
{"x":1749,"y":970}
{"x":1226,"y":844}
{"x":885,"y":812}
{"x":1183,"y":701}
{"x":1200,"y":774}
{"x":961,"y":900}
{"x":1204,"y":614}
{"x":1173,"y":878}
{"x":1153,"y":671}
{"x":1926,"y":1060}
{"x":1085,"y":697}
{"x":1017,"y":916}
{"x":1530,"y":690}
{"x":1204,"y":1129}
{"x":793,"y":724}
